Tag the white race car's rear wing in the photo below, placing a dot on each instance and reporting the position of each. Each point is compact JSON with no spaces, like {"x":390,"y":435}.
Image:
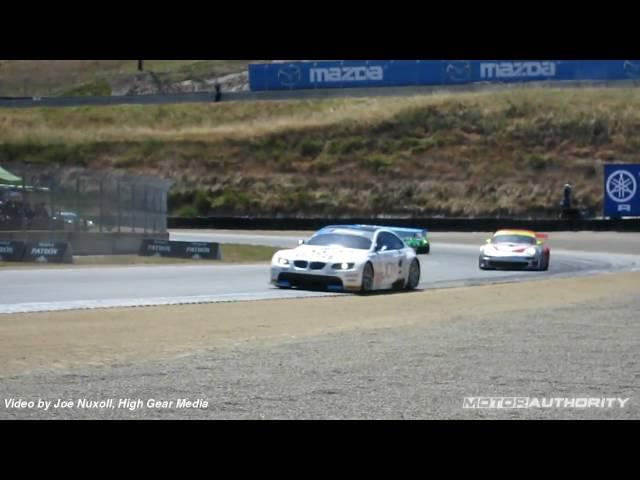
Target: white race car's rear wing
{"x":542,"y":237}
{"x":422,"y":231}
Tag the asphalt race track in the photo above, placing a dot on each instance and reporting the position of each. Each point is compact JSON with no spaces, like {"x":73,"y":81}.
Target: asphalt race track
{"x":449,"y":265}
{"x":402,"y":356}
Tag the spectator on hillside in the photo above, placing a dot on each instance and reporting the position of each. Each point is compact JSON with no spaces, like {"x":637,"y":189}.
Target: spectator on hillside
{"x":28,"y":210}
{"x":40,"y":211}
{"x":28,"y":213}
{"x":11,"y":213}
{"x":566,"y":200}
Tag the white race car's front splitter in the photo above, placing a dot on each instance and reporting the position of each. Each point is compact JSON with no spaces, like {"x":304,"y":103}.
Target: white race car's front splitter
{"x":332,"y":280}
{"x":529,"y":263}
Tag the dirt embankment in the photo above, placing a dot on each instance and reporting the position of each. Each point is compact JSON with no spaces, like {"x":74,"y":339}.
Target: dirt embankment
{"x":473,"y":154}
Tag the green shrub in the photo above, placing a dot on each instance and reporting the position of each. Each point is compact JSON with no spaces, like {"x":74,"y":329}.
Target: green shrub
{"x":202,"y":204}
{"x":310,"y":147}
{"x":377,"y":162}
{"x":537,"y":162}
{"x":188,"y":211}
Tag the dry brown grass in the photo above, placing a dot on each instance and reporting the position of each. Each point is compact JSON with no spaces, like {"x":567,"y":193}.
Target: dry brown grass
{"x":194,"y":122}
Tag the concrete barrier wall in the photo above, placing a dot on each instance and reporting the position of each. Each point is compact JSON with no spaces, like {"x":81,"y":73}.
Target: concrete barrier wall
{"x":433,"y":224}
{"x":89,"y":243}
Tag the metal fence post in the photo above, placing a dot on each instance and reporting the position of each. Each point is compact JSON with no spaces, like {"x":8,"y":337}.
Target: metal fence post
{"x":119,"y":207}
{"x":144,"y":209}
{"x":52,"y":202}
{"x":77,"y":203}
{"x":133,"y":207}
{"x":156,"y":209}
{"x":50,"y":215}
{"x":165,"y":209}
{"x":24,"y":201}
{"x":152,"y":210}
{"x":101,"y":205}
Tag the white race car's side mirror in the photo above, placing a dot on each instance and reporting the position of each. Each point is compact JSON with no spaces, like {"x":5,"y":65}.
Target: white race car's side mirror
{"x":488,"y":240}
{"x":300,"y":242}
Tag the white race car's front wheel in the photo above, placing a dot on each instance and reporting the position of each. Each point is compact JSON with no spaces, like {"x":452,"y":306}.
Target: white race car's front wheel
{"x":367,"y":278}
{"x":545,"y":262}
{"x":414,"y":275}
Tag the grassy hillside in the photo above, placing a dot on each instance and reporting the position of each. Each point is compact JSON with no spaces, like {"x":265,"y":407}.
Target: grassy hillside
{"x":463,"y":154}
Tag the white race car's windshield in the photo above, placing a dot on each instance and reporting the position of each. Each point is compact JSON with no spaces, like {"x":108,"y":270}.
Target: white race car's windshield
{"x":341,"y":240}
{"x":514,"y":239}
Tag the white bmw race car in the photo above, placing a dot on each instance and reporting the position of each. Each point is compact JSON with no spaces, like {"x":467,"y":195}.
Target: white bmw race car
{"x":348,"y":258}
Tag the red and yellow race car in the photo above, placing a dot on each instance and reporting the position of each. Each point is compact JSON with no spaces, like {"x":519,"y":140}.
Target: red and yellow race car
{"x":511,"y":249}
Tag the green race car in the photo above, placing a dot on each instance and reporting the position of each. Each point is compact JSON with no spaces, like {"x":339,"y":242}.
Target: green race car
{"x":415,"y":238}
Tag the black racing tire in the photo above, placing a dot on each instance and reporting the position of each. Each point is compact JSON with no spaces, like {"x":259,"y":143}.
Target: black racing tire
{"x":413,"y":279}
{"x":545,"y":265}
{"x":427,"y":249}
{"x":367,"y":278}
{"x":422,"y":250}
{"x":480,"y":266}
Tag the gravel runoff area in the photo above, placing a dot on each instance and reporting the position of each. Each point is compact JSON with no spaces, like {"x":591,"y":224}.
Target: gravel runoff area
{"x":400,"y":356}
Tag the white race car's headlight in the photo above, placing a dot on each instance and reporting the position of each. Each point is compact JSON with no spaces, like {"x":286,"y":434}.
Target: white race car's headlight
{"x":282,"y":261}
{"x":342,"y":266}
{"x":530,"y":252}
{"x":488,"y":250}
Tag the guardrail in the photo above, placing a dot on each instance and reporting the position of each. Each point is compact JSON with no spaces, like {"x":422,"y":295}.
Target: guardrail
{"x":209,"y":97}
{"x":432,"y":224}
{"x":147,"y":99}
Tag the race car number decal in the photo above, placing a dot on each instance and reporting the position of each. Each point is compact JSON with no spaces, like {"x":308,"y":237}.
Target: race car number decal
{"x":388,"y":270}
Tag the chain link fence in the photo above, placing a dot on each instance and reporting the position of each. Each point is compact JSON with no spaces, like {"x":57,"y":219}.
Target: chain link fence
{"x":51,"y":198}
